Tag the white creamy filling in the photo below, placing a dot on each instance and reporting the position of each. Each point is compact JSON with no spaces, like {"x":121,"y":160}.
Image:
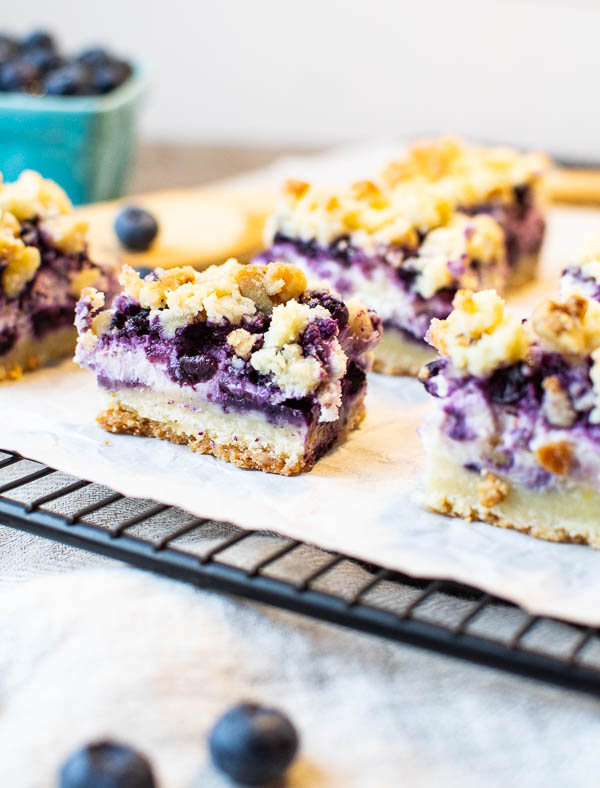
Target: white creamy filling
{"x":495,"y":434}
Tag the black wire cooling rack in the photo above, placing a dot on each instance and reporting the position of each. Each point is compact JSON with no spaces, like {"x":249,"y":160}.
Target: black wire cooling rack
{"x":439,"y":615}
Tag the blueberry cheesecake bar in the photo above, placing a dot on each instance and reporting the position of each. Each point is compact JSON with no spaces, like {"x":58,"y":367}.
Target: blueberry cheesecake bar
{"x":405,"y":246}
{"x":43,"y":267}
{"x":514,"y":438}
{"x":241,"y":362}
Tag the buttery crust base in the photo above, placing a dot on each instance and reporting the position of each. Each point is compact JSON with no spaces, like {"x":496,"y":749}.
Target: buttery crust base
{"x":120,"y":419}
{"x":30,"y":353}
{"x":565,"y":514}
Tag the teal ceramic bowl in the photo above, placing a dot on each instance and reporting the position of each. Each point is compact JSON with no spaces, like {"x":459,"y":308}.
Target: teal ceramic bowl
{"x":84,"y":143}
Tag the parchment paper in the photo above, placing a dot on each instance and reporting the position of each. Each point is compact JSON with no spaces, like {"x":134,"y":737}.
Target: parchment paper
{"x":358,"y":500}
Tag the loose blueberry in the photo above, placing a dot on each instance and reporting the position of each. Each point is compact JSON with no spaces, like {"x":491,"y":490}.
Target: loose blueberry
{"x":71,"y":79}
{"x":38,"y":39}
{"x":106,"y":764}
{"x":253,"y":744}
{"x":136,"y":228}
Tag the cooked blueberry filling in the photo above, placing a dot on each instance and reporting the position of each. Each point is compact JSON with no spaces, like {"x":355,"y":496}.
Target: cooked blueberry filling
{"x":200,"y":354}
{"x":522,"y":222}
{"x":8,"y":337}
{"x":51,"y":318}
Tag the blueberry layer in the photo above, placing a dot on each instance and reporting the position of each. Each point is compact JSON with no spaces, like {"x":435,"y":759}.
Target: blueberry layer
{"x":510,"y":404}
{"x":199,"y":357}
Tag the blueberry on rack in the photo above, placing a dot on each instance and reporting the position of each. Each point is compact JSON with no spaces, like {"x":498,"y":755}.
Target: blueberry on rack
{"x":253,"y":744}
{"x":136,"y":228}
{"x":106,"y":764}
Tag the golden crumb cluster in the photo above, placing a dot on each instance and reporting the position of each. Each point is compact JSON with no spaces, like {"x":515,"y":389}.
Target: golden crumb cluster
{"x":222,"y":292}
{"x":467,"y":173}
{"x":365,"y":211}
{"x":480,"y":334}
{"x":415,"y":194}
{"x":28,"y":197}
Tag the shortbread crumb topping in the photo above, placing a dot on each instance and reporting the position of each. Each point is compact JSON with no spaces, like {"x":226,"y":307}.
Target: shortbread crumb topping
{"x":467,"y":174}
{"x":33,"y":197}
{"x":479,"y":334}
{"x":368,"y":214}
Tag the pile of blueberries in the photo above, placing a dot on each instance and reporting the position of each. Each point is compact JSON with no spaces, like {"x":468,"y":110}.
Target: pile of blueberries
{"x":34,"y":64}
{"x":251,"y":744}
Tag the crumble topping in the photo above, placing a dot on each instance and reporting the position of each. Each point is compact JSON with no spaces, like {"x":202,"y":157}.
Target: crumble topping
{"x":492,"y":490}
{"x":557,"y":406}
{"x":556,"y":457}
{"x":468,"y":173}
{"x":31,"y":195}
{"x":446,"y":251}
{"x":479,"y":334}
{"x":27,"y":198}
{"x":67,"y":233}
{"x":571,"y":326}
{"x":369,"y":214}
{"x":222,"y":292}
{"x":18,"y":262}
{"x":242,"y":342}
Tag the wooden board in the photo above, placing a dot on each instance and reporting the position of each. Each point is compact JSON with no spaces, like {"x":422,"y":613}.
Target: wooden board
{"x":201,"y":226}
{"x":197,"y":227}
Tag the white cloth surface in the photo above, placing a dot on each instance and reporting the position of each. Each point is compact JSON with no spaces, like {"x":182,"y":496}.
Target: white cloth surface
{"x":90,"y":648}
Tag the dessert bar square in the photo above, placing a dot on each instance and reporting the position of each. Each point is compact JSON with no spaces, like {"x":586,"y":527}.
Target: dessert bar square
{"x":448,"y":217}
{"x":241,"y":362}
{"x":43,"y":267}
{"x":514,"y":438}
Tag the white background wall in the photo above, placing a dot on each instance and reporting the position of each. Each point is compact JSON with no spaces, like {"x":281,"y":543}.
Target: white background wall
{"x":321,"y":71}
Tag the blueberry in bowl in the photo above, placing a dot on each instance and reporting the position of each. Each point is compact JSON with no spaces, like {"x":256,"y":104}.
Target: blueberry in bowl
{"x":70,"y":116}
{"x":106,"y":764}
{"x":253,"y":744}
{"x":136,"y":228}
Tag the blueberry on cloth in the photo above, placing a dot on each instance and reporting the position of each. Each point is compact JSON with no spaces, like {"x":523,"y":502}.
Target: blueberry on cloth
{"x":136,"y":228}
{"x":106,"y":764}
{"x":71,"y":79}
{"x":253,"y":744}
